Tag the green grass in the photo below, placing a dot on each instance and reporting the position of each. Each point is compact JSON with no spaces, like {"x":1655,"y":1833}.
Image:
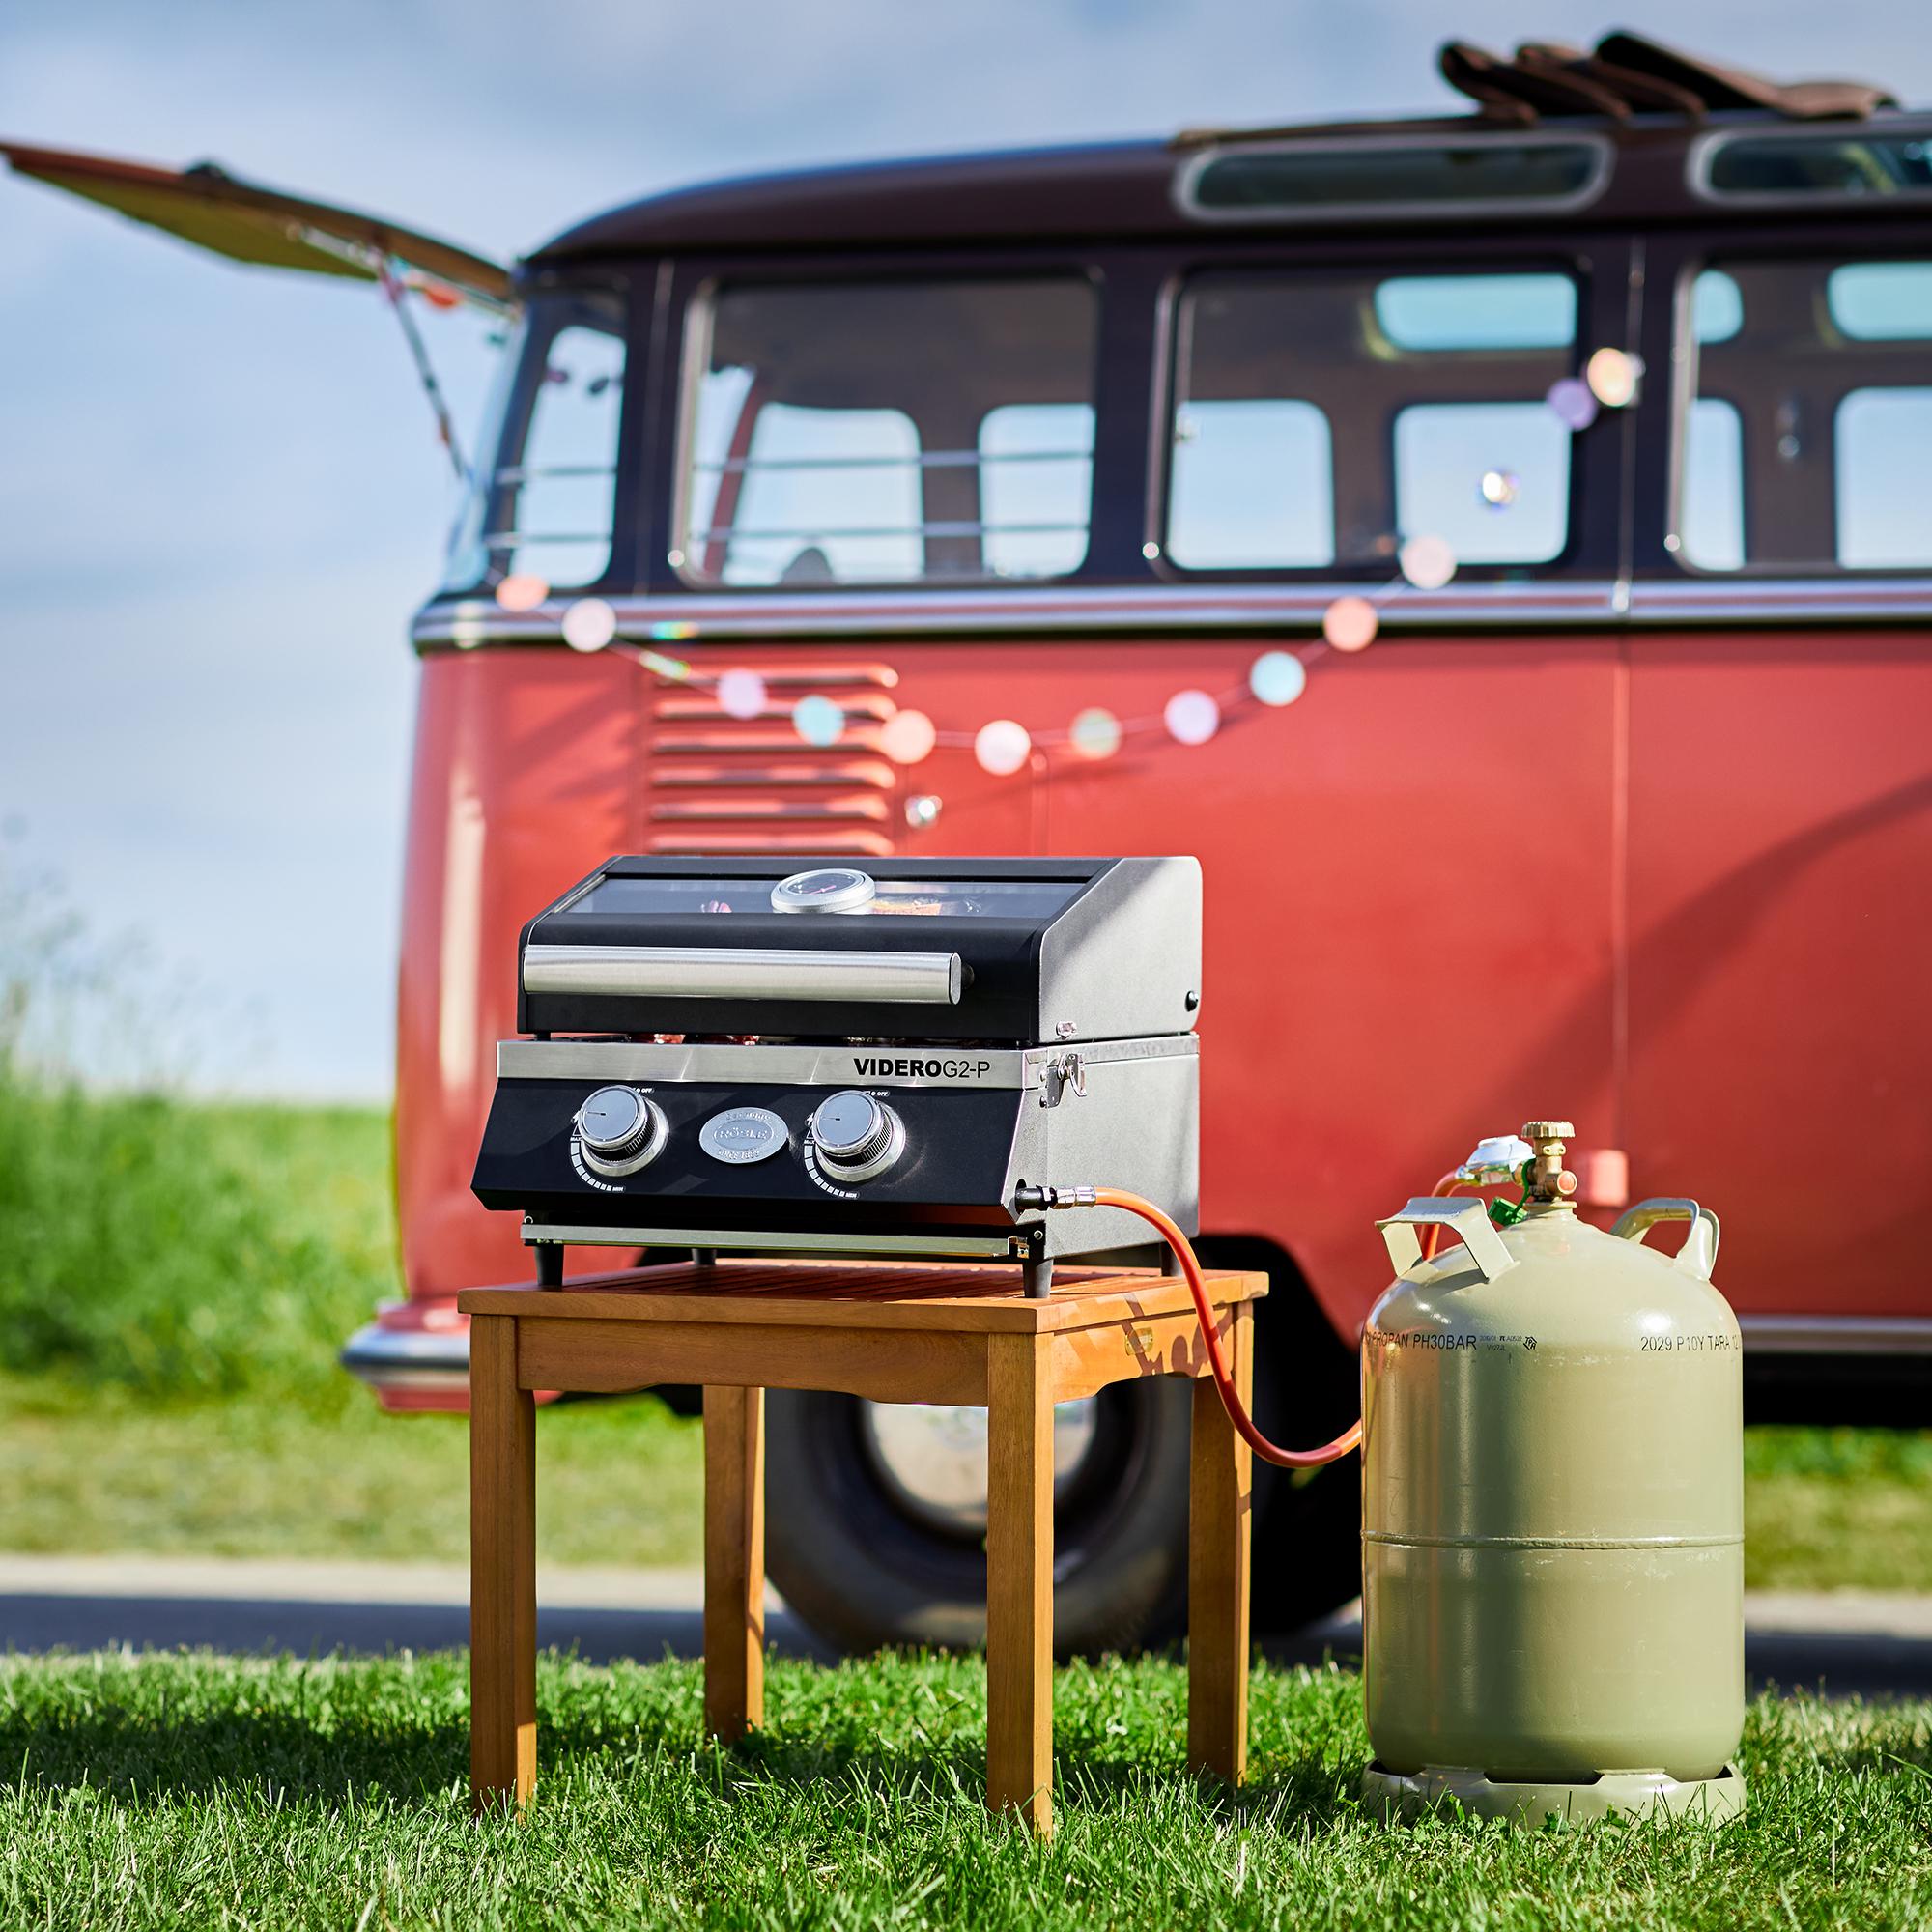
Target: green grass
{"x":189,"y":1789}
{"x":1827,"y":1509}
{"x":174,"y":1283}
{"x":181,"y":1251}
{"x":176,"y":1279}
{"x":1824,"y":1508}
{"x":618,"y":1481}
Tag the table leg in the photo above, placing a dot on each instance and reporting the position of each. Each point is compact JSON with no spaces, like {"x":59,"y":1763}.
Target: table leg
{"x":1220,"y":1525}
{"x":734,"y":1561}
{"x":503,"y":1569}
{"x":1019,"y":1578}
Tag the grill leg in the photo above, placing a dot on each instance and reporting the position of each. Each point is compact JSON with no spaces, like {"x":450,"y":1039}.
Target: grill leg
{"x":550,"y":1264}
{"x":1037,"y":1278}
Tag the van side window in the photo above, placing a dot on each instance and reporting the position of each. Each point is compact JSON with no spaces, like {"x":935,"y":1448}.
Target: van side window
{"x":1253,"y":485}
{"x":887,"y":432}
{"x":1884,"y":478}
{"x":545,"y":504}
{"x":1321,"y":420}
{"x":1802,"y":442}
{"x":1035,"y":477}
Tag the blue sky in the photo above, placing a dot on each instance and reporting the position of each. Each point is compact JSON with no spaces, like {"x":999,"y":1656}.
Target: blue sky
{"x":220,"y":496}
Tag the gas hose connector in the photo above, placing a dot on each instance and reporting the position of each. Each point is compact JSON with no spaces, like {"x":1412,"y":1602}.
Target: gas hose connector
{"x":1026,"y":1198}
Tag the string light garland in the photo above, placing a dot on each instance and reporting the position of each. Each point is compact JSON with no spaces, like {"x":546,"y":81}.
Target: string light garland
{"x":521,"y":590}
{"x":908,"y":737}
{"x":1571,"y":402}
{"x":590,"y":624}
{"x":1096,"y":733}
{"x":1612,"y":378}
{"x":1001,"y":746}
{"x":1427,"y":562}
{"x":1278,"y":677}
{"x":1191,"y":716}
{"x":741,"y":693}
{"x":1349,"y":624}
{"x":818,"y":722}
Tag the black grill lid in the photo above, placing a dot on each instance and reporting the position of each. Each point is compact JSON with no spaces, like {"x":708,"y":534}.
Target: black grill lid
{"x":1007,"y":949}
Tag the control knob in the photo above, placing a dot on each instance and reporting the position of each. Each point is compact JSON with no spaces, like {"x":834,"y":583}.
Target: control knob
{"x":855,"y":1137}
{"x":619,"y":1131}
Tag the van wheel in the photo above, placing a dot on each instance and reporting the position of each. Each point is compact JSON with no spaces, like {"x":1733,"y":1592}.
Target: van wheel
{"x":1308,"y":1388}
{"x":875,"y":1518}
{"x":876,"y":1512}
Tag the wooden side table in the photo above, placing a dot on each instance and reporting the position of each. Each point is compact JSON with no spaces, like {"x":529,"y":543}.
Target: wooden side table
{"x":893,"y":1333}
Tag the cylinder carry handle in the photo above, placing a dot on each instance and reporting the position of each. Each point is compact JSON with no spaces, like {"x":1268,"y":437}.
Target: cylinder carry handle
{"x":1699,"y":1252}
{"x":1467,"y":1220}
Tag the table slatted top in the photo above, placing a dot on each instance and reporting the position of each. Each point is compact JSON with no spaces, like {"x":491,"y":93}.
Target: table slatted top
{"x":977,"y":1299}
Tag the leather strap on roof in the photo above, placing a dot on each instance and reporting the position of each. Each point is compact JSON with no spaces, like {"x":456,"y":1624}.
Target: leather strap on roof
{"x":1721,"y":87}
{"x":1641,"y":92}
{"x":1514,"y":92}
{"x":1628,"y":74}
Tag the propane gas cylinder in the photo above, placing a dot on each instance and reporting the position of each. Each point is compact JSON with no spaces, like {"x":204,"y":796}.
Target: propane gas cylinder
{"x":1552,"y":1509}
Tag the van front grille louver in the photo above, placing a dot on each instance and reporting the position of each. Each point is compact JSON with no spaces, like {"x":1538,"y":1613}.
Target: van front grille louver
{"x":718,"y":784}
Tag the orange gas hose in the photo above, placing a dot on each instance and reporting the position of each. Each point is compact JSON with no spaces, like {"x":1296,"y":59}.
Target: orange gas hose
{"x":1448,"y":1184}
{"x":1230,"y":1400}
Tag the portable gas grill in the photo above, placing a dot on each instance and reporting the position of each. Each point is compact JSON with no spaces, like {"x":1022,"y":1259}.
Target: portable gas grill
{"x":729,"y":1054}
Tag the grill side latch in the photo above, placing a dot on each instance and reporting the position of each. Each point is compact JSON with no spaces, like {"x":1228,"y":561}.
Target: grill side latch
{"x":1058,"y":1074}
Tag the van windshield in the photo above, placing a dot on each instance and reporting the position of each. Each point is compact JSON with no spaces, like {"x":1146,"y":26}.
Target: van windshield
{"x":542,"y":500}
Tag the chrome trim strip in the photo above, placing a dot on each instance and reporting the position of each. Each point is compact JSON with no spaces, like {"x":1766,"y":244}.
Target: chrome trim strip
{"x":1194,"y":606}
{"x":745,"y":973}
{"x":429,"y":1380}
{"x":755,"y":1066}
{"x":1837,"y":1334}
{"x":867,"y":1067}
{"x":1489,"y":207}
{"x":1741,"y":597}
{"x":983,"y":1248}
{"x":408,"y":1359}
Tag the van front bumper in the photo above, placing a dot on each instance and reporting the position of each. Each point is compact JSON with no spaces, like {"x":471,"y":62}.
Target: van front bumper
{"x":414,"y":1355}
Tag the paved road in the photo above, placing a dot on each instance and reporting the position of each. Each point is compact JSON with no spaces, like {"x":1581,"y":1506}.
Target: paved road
{"x":1850,"y":1643}
{"x":1846,"y":1641}
{"x":100,"y":1603}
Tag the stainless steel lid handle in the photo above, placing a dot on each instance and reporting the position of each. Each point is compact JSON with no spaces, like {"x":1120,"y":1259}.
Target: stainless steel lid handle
{"x":745,"y":973}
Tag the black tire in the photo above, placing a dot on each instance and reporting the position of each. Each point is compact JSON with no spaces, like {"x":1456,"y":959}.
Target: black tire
{"x":1308,"y":1388}
{"x":864,"y":1572}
